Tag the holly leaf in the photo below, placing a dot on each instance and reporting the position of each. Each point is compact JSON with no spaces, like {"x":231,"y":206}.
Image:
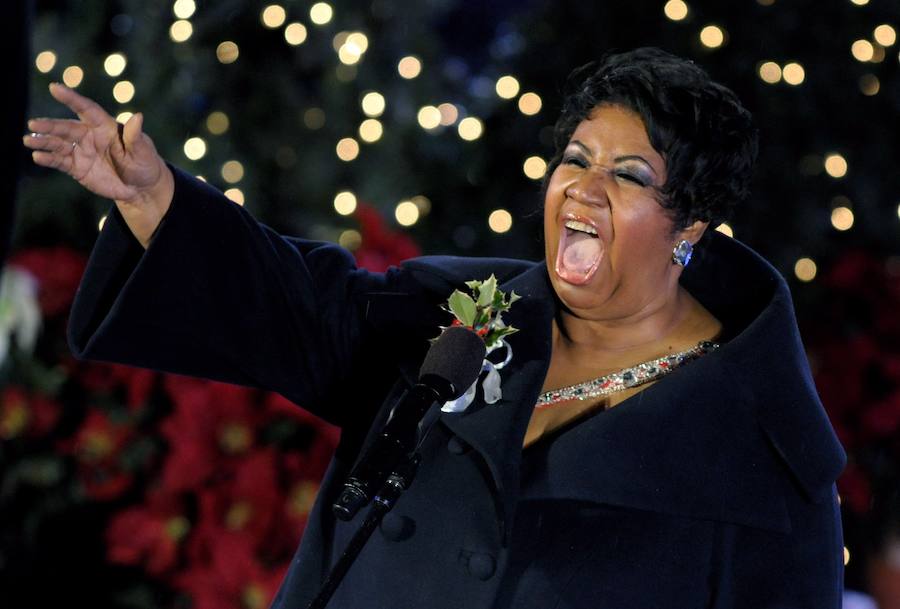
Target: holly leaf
{"x":463,"y":307}
{"x":487,"y":291}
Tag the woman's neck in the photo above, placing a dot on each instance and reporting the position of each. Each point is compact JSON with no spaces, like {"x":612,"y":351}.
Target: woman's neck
{"x":658,"y":326}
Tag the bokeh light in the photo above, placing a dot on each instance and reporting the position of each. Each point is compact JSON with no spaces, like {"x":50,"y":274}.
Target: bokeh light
{"x":195,"y":148}
{"x":345,"y":203}
{"x":273,"y":16}
{"x":869,"y":84}
{"x":373,"y":104}
{"x":449,"y":113}
{"x":114,"y":64}
{"x":236,"y":195}
{"x":712,"y":36}
{"x":406,"y":213}
{"x":835,"y":165}
{"x":122,"y":117}
{"x":770,"y":72}
{"x":123,"y":91}
{"x":350,"y":239}
{"x":347,"y":149}
{"x":232,"y":172}
{"x":842,"y":218}
{"x":885,"y":35}
{"x":72,"y":76}
{"x":793,"y":73}
{"x":295,"y":33}
{"x":217,"y":123}
{"x":470,"y":128}
{"x":429,"y":117}
{"x":314,"y":118}
{"x":530,"y":104}
{"x":409,"y":67}
{"x":862,"y":50}
{"x":805,"y":269}
{"x":507,"y":87}
{"x":371,"y":130}
{"x":45,"y":61}
{"x":500,"y":221}
{"x":676,"y":10}
{"x":534,"y":167}
{"x":321,"y":13}
{"x":184,"y":9}
{"x":227,"y":52}
{"x":725,"y":229}
{"x":181,"y":30}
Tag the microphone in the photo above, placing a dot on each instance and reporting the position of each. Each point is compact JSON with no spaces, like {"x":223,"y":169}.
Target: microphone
{"x":450,"y":367}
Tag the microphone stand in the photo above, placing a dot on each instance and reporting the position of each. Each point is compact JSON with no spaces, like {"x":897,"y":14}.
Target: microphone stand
{"x":384,"y":501}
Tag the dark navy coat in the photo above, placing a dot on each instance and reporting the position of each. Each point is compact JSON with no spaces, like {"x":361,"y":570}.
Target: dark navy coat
{"x":712,"y":488}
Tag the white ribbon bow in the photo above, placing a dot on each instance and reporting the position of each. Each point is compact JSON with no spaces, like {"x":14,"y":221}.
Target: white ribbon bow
{"x":491,"y":384}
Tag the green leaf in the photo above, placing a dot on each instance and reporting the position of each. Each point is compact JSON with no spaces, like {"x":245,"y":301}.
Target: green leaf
{"x":487,"y":291}
{"x":463,"y":307}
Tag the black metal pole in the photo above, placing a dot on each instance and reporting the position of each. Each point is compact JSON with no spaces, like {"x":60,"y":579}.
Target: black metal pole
{"x":397,"y":482}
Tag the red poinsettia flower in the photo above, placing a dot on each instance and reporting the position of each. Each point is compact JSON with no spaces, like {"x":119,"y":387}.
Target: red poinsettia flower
{"x":24,"y":414}
{"x":210,"y":422}
{"x":58,"y":270}
{"x":149,"y":535}
{"x":97,"y":446}
{"x":245,"y":505}
{"x":234,"y":578}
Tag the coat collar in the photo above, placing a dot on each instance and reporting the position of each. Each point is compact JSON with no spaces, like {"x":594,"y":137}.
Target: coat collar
{"x":719,"y":439}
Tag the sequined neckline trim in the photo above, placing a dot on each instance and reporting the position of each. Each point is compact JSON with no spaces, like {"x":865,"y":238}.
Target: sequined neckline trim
{"x":625,"y":379}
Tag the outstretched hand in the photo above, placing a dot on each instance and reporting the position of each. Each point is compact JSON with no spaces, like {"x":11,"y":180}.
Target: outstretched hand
{"x":115,"y":161}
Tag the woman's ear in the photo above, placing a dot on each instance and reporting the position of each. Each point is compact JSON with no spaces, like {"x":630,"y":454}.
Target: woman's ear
{"x":693,"y":232}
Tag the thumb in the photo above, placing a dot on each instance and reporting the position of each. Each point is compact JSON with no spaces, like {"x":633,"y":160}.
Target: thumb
{"x":131,"y":133}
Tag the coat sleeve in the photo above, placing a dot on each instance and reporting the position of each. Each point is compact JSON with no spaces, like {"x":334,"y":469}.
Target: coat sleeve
{"x":803,"y":569}
{"x":221,"y":296}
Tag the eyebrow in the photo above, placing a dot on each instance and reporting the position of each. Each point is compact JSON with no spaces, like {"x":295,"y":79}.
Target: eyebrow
{"x":627,"y":157}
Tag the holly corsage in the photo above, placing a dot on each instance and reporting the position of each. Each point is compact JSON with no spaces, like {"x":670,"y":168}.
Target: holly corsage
{"x":482,"y":312}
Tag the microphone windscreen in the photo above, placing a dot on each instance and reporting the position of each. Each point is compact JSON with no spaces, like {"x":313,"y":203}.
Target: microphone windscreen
{"x":456,"y":356}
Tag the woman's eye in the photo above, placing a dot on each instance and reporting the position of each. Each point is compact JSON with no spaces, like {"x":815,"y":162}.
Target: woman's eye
{"x":630,"y":177}
{"x":574,"y":160}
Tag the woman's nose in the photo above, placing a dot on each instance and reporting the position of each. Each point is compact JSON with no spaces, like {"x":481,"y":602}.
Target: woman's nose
{"x":589,"y":188}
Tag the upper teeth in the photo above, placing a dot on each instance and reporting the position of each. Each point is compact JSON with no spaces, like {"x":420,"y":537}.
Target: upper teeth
{"x":581,"y":226}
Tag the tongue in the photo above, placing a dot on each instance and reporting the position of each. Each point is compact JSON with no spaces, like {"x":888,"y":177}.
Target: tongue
{"x":578,"y":257}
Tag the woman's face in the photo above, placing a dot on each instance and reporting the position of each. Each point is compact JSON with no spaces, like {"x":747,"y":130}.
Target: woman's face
{"x":614,"y":259}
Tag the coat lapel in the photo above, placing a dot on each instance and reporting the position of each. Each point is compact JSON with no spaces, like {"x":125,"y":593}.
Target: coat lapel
{"x":497,"y":430}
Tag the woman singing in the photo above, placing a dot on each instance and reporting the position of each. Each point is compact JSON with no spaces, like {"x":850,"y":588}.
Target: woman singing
{"x":658,"y":442}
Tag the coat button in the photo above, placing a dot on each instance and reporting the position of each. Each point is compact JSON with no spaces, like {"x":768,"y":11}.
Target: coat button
{"x":457,"y":446}
{"x":482,"y":566}
{"x":396,"y":527}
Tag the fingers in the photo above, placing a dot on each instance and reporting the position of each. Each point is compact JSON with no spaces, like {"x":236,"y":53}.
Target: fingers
{"x":86,"y":109}
{"x":54,"y":161}
{"x":48,"y":143}
{"x":67,"y":129}
{"x":131,"y":134}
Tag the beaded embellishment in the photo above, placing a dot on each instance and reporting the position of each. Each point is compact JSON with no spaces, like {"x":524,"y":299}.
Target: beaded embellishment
{"x":625,"y":379}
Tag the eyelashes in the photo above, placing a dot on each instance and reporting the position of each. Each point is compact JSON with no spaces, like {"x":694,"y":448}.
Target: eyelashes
{"x":580,"y":162}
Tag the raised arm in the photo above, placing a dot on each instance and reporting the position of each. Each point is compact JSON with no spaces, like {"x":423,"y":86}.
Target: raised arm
{"x":115,"y":161}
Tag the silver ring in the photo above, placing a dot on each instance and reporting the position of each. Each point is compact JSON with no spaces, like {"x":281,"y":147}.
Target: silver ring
{"x":74,"y":145}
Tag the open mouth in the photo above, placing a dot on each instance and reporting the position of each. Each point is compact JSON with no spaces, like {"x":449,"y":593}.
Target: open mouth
{"x":580,"y":252}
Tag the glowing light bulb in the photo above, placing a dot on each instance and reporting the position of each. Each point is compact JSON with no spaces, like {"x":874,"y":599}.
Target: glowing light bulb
{"x":862,"y":50}
{"x":181,"y":30}
{"x":409,"y":67}
{"x":793,"y":73}
{"x":676,"y":10}
{"x":429,"y":117}
{"x":295,"y":34}
{"x":470,"y":128}
{"x":712,"y":36}
{"x":842,"y":218}
{"x":406,"y":213}
{"x":321,"y":13}
{"x":373,"y":104}
{"x":72,"y":76}
{"x":836,"y":165}
{"x":195,"y":148}
{"x":273,"y":16}
{"x":500,"y":221}
{"x":507,"y":87}
{"x":123,"y":91}
{"x":347,"y":149}
{"x":45,"y":61}
{"x":530,"y":104}
{"x":535,"y":167}
{"x":183,"y":9}
{"x":371,"y":130}
{"x":114,"y":64}
{"x":345,"y":203}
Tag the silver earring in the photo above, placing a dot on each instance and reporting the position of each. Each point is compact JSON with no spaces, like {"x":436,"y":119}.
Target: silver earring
{"x":681,"y":255}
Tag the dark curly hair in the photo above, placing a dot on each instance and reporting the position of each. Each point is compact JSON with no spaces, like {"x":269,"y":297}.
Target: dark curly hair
{"x":699,"y":127}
